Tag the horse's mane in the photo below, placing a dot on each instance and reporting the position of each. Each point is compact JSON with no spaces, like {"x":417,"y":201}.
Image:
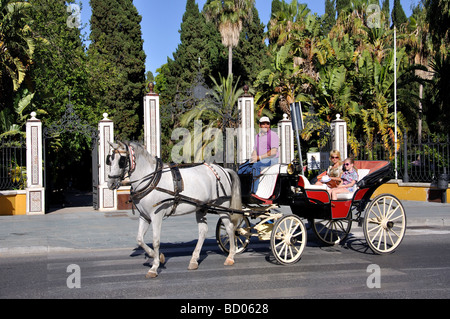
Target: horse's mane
{"x":140,"y":150}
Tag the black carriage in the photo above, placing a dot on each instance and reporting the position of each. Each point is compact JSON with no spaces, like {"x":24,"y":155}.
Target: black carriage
{"x":383,"y":218}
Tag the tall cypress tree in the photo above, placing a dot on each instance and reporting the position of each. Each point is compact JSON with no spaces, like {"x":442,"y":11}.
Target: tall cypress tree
{"x":199,"y":48}
{"x":386,"y":9}
{"x":250,"y":56}
{"x":342,"y":5}
{"x":330,"y":11}
{"x":398,"y":15}
{"x":117,"y":64}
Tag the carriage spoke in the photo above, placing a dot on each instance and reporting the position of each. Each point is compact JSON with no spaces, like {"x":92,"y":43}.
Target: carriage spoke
{"x":385,"y":224}
{"x":332,"y":232}
{"x":288,"y":239}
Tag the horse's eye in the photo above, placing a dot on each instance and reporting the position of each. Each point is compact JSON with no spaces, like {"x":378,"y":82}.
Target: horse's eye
{"x":108,"y":160}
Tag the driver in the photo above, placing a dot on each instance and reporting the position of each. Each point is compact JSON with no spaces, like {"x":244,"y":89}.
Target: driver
{"x":265,"y":152}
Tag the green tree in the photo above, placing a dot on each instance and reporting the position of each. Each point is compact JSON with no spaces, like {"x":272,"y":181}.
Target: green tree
{"x":438,"y":17}
{"x":250,"y":57}
{"x":386,"y":9}
{"x":398,"y":15}
{"x":218,"y":109}
{"x":117,"y":64}
{"x":287,"y":19}
{"x":60,"y":64}
{"x":198,"y":51}
{"x":341,"y":5}
{"x":330,"y":11}
{"x":17,"y":46}
{"x":229,"y":16}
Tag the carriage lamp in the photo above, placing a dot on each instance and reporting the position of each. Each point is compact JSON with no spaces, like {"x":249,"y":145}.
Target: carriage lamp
{"x":293,"y":168}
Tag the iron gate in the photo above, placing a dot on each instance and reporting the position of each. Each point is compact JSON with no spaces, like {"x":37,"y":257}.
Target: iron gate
{"x":70,"y":122}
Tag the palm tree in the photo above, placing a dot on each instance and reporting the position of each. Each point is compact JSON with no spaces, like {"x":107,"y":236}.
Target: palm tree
{"x":285,"y":21}
{"x":218,"y":108}
{"x":296,"y":50}
{"x":417,"y":39}
{"x":16,"y":42}
{"x":277,"y":85}
{"x":229,"y":16}
{"x":219,"y":105}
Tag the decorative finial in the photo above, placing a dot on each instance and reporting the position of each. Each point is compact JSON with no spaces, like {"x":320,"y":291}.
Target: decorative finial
{"x":105,"y":116}
{"x":33,"y":115}
{"x":151,"y":86}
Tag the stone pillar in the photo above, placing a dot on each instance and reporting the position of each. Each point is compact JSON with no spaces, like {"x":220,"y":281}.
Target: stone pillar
{"x":246,"y":132}
{"x":35,"y":182}
{"x":286,"y":134}
{"x":152,"y":124}
{"x":107,"y":197}
{"x":339,"y":136}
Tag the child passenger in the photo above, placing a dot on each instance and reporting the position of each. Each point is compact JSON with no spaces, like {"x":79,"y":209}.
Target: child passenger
{"x":349,"y":179}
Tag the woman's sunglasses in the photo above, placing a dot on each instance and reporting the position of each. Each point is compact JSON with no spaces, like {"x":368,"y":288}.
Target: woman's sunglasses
{"x":347,"y":164}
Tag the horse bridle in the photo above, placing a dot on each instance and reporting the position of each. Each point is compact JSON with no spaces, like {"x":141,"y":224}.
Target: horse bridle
{"x":127,"y":160}
{"x":124,"y":162}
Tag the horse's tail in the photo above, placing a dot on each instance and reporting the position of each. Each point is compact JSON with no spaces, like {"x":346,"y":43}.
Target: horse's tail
{"x":236,"y":198}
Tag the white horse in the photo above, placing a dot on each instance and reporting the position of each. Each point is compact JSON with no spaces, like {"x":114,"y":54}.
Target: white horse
{"x":158,"y":191}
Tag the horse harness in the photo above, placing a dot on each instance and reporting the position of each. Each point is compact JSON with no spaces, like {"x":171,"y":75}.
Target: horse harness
{"x":152,"y":180}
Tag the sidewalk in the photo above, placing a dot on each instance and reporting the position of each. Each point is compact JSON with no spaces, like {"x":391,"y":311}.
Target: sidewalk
{"x":73,"y":229}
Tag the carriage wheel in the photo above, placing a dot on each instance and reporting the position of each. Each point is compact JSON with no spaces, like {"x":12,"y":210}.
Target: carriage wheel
{"x":288,"y":239}
{"x":384,"y":224}
{"x":332,"y":232}
{"x":242,"y":236}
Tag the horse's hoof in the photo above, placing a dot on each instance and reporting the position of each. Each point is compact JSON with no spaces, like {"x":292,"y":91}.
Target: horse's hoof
{"x":151,"y":275}
{"x":229,"y":262}
{"x":193,"y":266}
{"x":162,"y":258}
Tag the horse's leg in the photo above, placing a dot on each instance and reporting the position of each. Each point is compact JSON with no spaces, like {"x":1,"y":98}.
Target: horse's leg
{"x":202,"y":231}
{"x":230,"y":223}
{"x":157,"y":257}
{"x":143,"y":227}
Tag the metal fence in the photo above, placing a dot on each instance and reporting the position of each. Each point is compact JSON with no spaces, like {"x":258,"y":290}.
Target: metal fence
{"x":417,"y":161}
{"x":13,"y":164}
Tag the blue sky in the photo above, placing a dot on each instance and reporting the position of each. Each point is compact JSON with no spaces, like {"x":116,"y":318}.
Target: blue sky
{"x":161,"y":20}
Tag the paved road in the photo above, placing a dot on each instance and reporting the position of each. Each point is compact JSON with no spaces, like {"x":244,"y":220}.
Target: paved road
{"x":37,"y":253}
{"x":80,"y":228}
{"x":418,"y":269}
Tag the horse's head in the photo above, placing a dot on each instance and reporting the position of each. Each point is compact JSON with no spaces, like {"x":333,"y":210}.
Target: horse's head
{"x":119,"y":160}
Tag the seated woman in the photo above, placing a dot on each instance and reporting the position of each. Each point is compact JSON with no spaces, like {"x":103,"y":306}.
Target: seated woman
{"x":349,"y":179}
{"x":334,"y":171}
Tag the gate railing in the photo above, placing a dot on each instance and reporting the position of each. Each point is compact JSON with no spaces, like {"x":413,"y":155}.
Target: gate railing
{"x":423,"y":161}
{"x":13,"y":164}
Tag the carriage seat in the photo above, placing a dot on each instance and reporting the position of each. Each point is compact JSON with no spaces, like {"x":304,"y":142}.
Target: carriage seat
{"x":361,"y":174}
{"x":268,"y":180}
{"x":308,"y":186}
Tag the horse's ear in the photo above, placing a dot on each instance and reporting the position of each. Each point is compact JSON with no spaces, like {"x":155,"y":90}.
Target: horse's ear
{"x":122,"y":145}
{"x":114,"y":145}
